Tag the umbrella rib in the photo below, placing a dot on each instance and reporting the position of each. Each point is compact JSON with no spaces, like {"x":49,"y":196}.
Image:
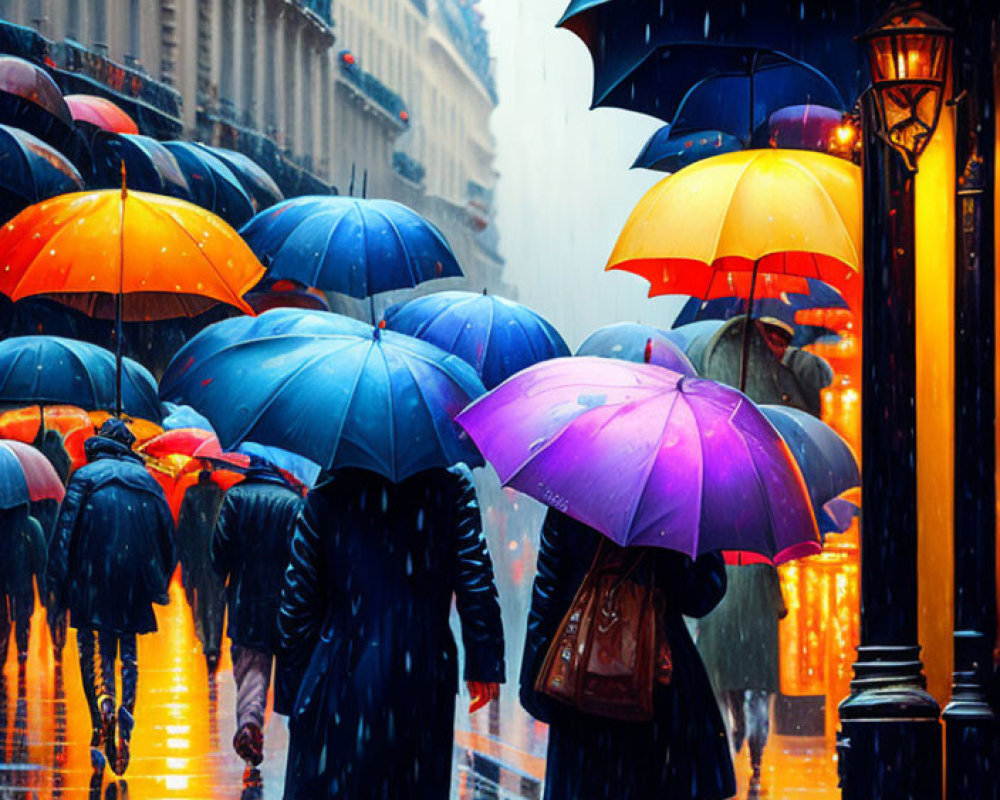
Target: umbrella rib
{"x":840,"y":218}
{"x":489,"y":334}
{"x":347,"y":410}
{"x":402,"y":245}
{"x":326,"y":247}
{"x":648,"y":468}
{"x":725,"y":215}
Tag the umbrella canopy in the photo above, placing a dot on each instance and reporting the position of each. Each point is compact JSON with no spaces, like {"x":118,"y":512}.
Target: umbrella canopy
{"x":40,"y":476}
{"x":785,"y":307}
{"x":213,"y":185}
{"x":255,"y":181}
{"x":780,"y":212}
{"x":496,"y":336}
{"x":49,"y":370}
{"x":665,"y":152}
{"x":286,"y":294}
{"x":30,"y":100}
{"x":632,"y":341}
{"x":648,"y":457}
{"x":13,"y":483}
{"x":193,"y":443}
{"x":277,"y":322}
{"x":805,"y":127}
{"x":384,"y":403}
{"x":349,"y":245}
{"x":697,"y":87}
{"x":826,"y":461}
{"x":620,"y":33}
{"x":32,"y":171}
{"x":142,"y":429}
{"x":170,"y":258}
{"x":71,"y":422}
{"x":150,"y":166}
{"x":101,"y":113}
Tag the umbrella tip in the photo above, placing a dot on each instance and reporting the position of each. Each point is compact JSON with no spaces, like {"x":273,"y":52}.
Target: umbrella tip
{"x":648,"y":354}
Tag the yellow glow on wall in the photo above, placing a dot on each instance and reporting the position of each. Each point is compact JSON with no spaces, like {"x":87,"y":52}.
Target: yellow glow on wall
{"x":935,"y":317}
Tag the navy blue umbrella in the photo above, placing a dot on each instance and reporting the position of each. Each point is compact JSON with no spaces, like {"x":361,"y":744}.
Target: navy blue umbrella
{"x":496,"y":336}
{"x":717,"y":87}
{"x":827,"y":462}
{"x":49,"y":370}
{"x":821,"y":295}
{"x":31,"y":171}
{"x":620,"y":33}
{"x":633,"y":341}
{"x":254,"y":178}
{"x":349,"y":245}
{"x":667,"y":153}
{"x":213,"y":184}
{"x":385,"y":402}
{"x":14,"y":490}
{"x":277,"y":322}
{"x":149,"y":165}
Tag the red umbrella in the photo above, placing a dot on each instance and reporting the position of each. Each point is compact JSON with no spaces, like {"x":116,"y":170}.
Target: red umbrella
{"x":193,"y":443}
{"x":100,"y":113}
{"x":41,"y":477}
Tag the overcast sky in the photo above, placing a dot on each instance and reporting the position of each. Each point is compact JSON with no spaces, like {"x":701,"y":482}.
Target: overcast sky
{"x":565,"y":184}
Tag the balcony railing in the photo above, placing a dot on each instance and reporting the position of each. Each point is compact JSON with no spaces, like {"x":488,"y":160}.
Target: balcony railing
{"x":408,"y":167}
{"x":321,"y":8}
{"x":372,"y":88}
{"x":464,"y":26}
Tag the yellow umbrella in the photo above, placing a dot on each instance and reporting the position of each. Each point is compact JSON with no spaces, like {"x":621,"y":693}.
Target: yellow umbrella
{"x":784,"y":214}
{"x":771,"y":212}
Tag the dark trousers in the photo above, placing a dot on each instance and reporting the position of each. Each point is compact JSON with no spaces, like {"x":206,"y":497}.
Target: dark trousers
{"x":750,"y":710}
{"x":98,"y":652}
{"x":16,"y":615}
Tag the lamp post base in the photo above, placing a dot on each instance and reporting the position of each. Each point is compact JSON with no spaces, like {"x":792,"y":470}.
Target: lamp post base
{"x":972,"y":728}
{"x":889,"y":745}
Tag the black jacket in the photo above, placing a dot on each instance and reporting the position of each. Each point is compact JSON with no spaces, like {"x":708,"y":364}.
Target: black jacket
{"x":365,"y":612}
{"x":683,"y":754}
{"x":112,"y":554}
{"x":250,"y":550}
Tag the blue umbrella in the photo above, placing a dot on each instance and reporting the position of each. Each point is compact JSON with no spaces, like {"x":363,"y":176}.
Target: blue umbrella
{"x":827,"y":462}
{"x":385,"y":403}
{"x":349,"y":245}
{"x":49,"y":370}
{"x":717,"y":87}
{"x":254,"y":178}
{"x":633,"y":341}
{"x":31,"y":171}
{"x":149,"y":165}
{"x":277,"y":322}
{"x":13,"y":485}
{"x":694,"y":337}
{"x":496,"y":336}
{"x":667,"y":153}
{"x":621,"y":33}
{"x":213,"y":184}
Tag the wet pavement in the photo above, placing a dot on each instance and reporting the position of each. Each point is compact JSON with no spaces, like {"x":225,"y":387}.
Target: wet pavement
{"x":181,"y":744}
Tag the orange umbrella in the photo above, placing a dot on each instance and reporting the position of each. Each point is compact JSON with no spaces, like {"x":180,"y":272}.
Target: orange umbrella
{"x":74,"y":424}
{"x":100,"y":112}
{"x":142,"y":429}
{"x":126,"y":256}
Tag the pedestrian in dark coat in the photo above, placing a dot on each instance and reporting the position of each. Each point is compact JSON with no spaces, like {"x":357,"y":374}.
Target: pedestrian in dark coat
{"x":110,"y":559}
{"x":739,"y":643}
{"x":22,"y":564}
{"x":204,"y":589}
{"x":250,"y":550}
{"x":364,"y":615}
{"x":683,"y":753}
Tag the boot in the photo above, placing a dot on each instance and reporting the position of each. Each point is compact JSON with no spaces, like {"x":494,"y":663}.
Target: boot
{"x":125,"y":724}
{"x":253,"y":784}
{"x":97,"y":760}
{"x":107,"y":706}
{"x":249,"y":744}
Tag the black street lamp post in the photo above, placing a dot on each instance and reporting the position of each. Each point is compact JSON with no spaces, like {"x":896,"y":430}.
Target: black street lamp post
{"x":972,"y":740}
{"x":890,"y":739}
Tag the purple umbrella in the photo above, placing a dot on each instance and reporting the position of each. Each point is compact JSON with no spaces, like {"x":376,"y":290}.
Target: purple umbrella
{"x":647,"y":457}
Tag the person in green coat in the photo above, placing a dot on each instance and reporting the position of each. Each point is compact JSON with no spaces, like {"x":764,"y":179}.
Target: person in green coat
{"x":738,"y":642}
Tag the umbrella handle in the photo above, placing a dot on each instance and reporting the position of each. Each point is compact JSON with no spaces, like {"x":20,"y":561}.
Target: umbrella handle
{"x":745,"y":354}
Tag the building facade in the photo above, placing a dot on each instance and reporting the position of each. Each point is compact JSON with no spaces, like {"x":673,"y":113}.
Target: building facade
{"x":386,"y":98}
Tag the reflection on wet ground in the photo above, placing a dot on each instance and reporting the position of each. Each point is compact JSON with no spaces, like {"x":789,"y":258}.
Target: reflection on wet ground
{"x":181,"y":745}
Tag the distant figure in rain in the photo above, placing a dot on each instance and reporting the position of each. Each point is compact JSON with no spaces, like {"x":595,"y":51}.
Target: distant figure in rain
{"x":682,"y":753}
{"x":22,"y":564}
{"x":50,"y":443}
{"x":204,"y":589}
{"x":373,"y":666}
{"x":250,"y":550}
{"x":110,"y":558}
{"x":777,"y":373}
{"x":739,"y":643}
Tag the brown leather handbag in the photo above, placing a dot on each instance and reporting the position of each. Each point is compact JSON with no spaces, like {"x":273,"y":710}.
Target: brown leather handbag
{"x":610,"y":647}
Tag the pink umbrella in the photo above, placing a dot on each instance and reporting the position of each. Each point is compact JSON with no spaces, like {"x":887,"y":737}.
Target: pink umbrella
{"x":647,"y":457}
{"x":41,"y":477}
